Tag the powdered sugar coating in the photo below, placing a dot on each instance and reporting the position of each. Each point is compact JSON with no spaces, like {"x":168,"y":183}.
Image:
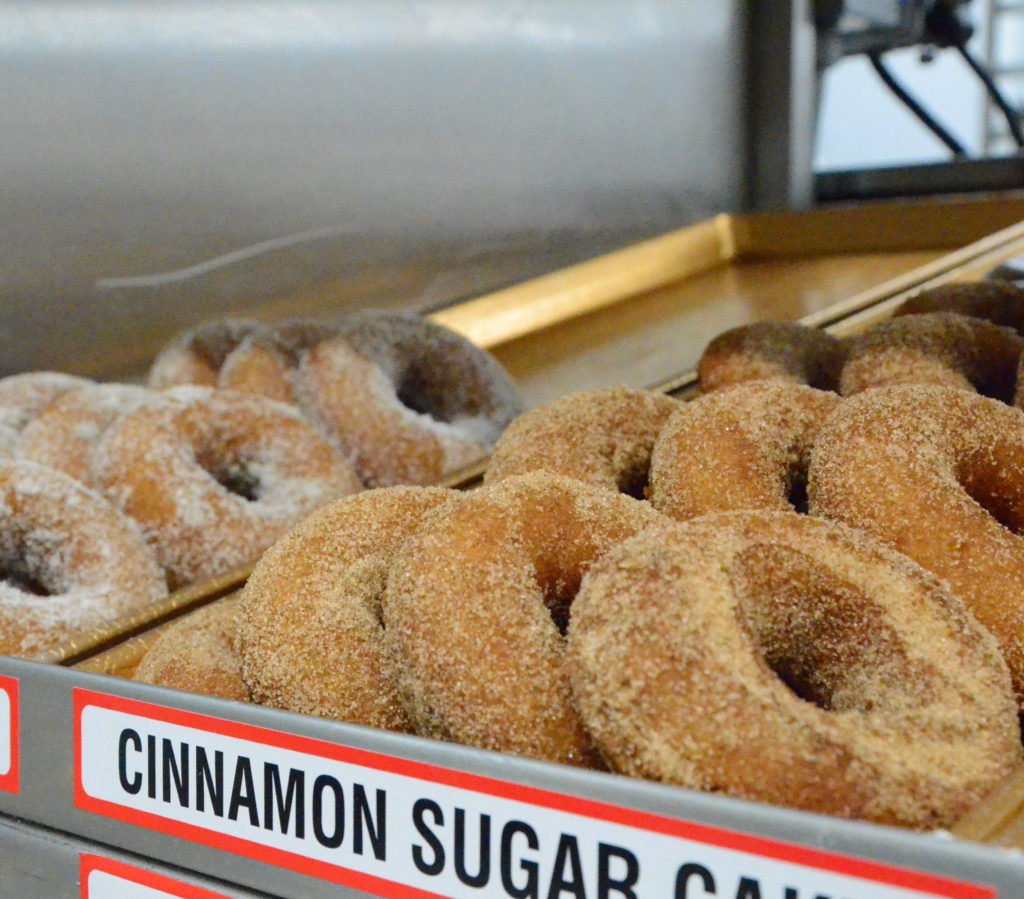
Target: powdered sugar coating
{"x":24,"y":396}
{"x":64,"y":434}
{"x":196,"y":356}
{"x":939,"y":474}
{"x":197,"y":653}
{"x":215,"y":476}
{"x":471,"y":605}
{"x":69,"y":561}
{"x":410,"y":400}
{"x":786,"y":351}
{"x":744,"y":448}
{"x":603,"y":437}
{"x":320,"y":586}
{"x":775,"y":657}
{"x":936,"y":348}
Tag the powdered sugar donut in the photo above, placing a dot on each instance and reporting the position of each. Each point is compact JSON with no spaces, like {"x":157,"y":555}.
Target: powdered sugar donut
{"x":65,"y":433}
{"x":196,"y":356}
{"x":410,"y":400}
{"x":24,"y":396}
{"x":69,"y":561}
{"x":215,"y":476}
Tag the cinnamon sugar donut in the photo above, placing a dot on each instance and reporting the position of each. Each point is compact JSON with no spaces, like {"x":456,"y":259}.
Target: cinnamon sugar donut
{"x":1000,"y":302}
{"x":197,"y":654}
{"x":786,"y":351}
{"x":603,"y":437}
{"x":24,"y":396}
{"x":196,"y":356}
{"x":939,"y":474}
{"x":472,"y":602}
{"x":65,"y":433}
{"x":935,"y":348}
{"x":69,"y":561}
{"x":779,"y":658}
{"x":215,"y":476}
{"x":411,"y":400}
{"x":744,"y":448}
{"x":320,"y":587}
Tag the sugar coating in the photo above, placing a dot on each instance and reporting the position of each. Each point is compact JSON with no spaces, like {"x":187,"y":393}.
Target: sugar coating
{"x":64,"y":434}
{"x":161,"y":465}
{"x":939,"y":474}
{"x":935,"y":348}
{"x":471,"y":605}
{"x":24,"y":396}
{"x":196,"y":356}
{"x":786,"y":351}
{"x":995,"y":301}
{"x":775,"y":657}
{"x":197,"y":654}
{"x":311,"y":636}
{"x":410,"y":400}
{"x":741,"y":448}
{"x":603,"y":437}
{"x":86,"y":556}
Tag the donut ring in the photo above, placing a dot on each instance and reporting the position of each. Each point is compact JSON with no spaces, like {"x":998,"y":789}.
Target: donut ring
{"x":1000,"y":302}
{"x":264,"y":362}
{"x":786,"y":351}
{"x":760,"y":435}
{"x":935,"y":472}
{"x":64,"y":435}
{"x":411,"y":400}
{"x":779,"y":658}
{"x":24,"y":396}
{"x":69,"y":561}
{"x":197,"y":654}
{"x":603,"y":437}
{"x":215,"y":476}
{"x":320,"y":586}
{"x":196,"y":356}
{"x":523,"y":543}
{"x":941,"y":348}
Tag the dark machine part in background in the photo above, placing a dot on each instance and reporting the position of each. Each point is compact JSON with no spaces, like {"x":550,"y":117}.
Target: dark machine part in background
{"x":874,"y":27}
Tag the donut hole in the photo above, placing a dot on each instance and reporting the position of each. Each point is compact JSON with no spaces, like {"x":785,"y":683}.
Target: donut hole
{"x":989,"y":485}
{"x":634,"y":482}
{"x":796,"y":494}
{"x":238,"y":480}
{"x":423,"y":389}
{"x":17,"y":574}
{"x":822,"y":636}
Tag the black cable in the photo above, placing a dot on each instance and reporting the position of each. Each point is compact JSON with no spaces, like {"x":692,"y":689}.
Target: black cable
{"x":916,"y":108}
{"x":1012,"y":115}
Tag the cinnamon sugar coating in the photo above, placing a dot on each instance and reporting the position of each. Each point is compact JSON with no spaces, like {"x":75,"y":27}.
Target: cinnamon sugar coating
{"x":941,"y":348}
{"x":410,"y":400}
{"x":69,"y":561}
{"x":1000,"y":302}
{"x":311,"y":636}
{"x":471,"y":606}
{"x":64,"y":434}
{"x":786,"y":351}
{"x":603,"y":437}
{"x":939,"y":474}
{"x":213,"y":477}
{"x":779,"y":658}
{"x":743,"y":448}
{"x":197,"y":654}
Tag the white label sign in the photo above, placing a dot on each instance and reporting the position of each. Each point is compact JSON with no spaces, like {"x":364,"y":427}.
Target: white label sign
{"x":104,"y":878}
{"x":396,"y":828}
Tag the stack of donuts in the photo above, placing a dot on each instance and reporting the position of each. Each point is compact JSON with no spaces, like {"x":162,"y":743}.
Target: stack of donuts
{"x":797,"y":594}
{"x":114,"y":492}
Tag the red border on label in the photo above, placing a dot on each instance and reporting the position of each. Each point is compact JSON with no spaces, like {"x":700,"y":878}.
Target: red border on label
{"x":11,"y":781}
{"x":878,"y":872}
{"x":88,"y":863}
